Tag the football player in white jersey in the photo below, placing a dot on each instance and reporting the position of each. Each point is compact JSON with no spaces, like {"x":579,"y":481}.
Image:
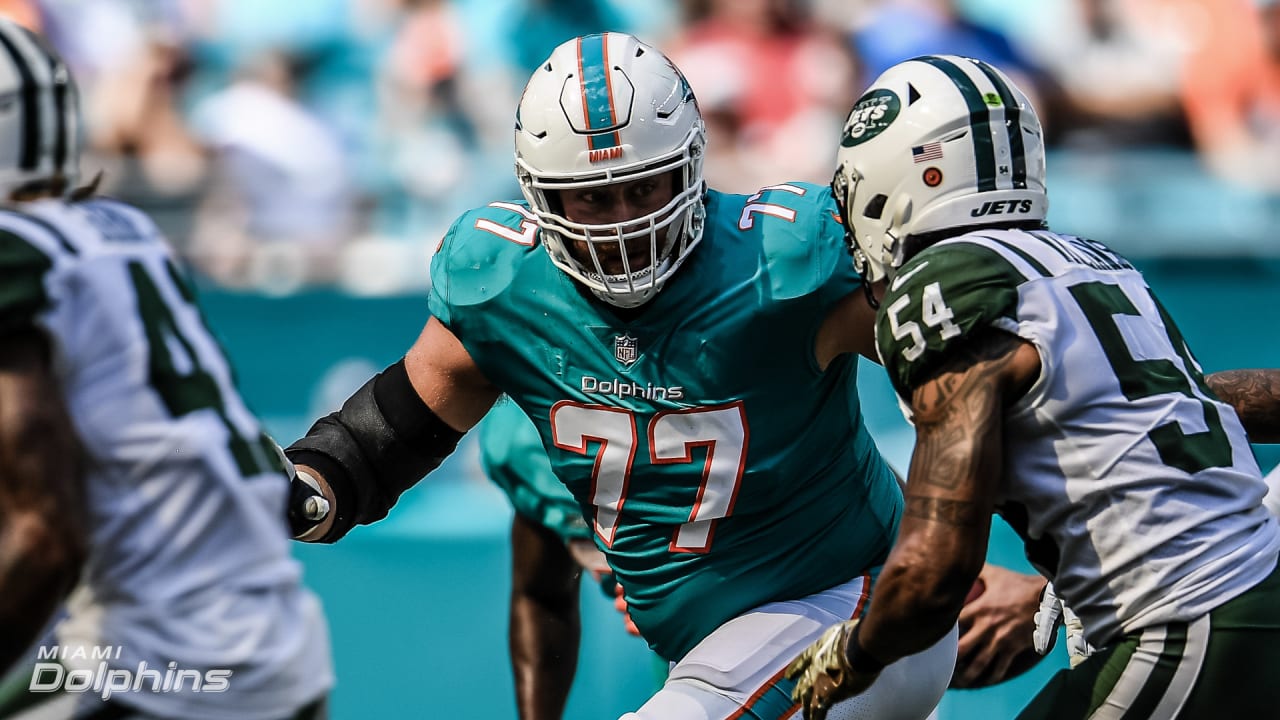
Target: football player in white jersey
{"x":1046,"y":383}
{"x":136,"y":489}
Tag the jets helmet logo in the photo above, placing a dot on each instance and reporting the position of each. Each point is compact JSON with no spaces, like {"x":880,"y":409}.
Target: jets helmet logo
{"x":625,"y":349}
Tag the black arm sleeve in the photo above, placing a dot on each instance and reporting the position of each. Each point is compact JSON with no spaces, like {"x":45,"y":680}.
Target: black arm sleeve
{"x":382,"y":442}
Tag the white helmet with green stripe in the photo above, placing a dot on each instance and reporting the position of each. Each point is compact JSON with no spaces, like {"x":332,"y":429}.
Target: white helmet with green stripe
{"x":39,"y":139}
{"x":936,"y":143}
{"x":607,"y":109}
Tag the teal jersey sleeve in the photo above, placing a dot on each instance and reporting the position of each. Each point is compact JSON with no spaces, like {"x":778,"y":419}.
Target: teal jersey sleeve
{"x":22,"y":293}
{"x":933,"y":304}
{"x":478,"y":259}
{"x":806,"y":255}
{"x":512,"y":455}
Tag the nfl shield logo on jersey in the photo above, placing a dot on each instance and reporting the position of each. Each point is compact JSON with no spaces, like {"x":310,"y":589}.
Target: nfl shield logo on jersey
{"x":625,"y":349}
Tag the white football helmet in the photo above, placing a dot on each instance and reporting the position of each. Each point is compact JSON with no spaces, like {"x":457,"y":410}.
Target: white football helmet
{"x":936,"y":142}
{"x":606,"y":109}
{"x":39,"y":113}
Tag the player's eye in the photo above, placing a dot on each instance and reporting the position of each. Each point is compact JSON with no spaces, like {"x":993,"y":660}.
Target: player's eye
{"x":643,"y":190}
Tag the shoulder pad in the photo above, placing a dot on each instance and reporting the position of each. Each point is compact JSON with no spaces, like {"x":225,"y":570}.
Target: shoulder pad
{"x":801,"y":236}
{"x":480,"y":255}
{"x":936,"y":300}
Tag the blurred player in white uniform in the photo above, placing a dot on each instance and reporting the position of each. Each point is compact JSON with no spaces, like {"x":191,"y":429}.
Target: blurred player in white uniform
{"x":132,"y":476}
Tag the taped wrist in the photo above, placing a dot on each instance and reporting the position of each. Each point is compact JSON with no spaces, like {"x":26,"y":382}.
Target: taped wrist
{"x":382,"y":441}
{"x":858,"y":659}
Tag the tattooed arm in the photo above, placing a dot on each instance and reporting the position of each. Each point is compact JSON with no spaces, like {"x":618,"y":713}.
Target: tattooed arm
{"x":942,"y":542}
{"x":1255,"y":394}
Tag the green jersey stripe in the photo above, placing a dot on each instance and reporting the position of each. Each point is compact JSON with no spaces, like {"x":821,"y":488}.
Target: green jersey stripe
{"x":1025,"y":256}
{"x":1012,"y":122}
{"x":979,"y":120}
{"x":48,"y":227}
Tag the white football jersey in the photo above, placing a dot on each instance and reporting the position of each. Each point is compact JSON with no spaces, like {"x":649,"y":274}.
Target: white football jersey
{"x":189,"y":565}
{"x":1134,"y":488}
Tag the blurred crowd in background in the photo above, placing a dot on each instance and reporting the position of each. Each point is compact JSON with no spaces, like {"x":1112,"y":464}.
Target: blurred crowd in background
{"x":331,"y":142}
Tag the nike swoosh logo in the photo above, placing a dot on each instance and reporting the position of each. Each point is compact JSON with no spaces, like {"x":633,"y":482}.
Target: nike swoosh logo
{"x":899,"y":279}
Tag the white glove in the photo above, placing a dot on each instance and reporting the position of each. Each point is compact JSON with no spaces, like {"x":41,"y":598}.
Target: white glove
{"x":1078,"y":649}
{"x":1047,"y":620}
{"x":1051,"y":611}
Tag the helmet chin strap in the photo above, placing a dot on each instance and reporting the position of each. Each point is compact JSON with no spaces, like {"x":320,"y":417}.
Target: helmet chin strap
{"x":860,"y":264}
{"x":871,"y":295}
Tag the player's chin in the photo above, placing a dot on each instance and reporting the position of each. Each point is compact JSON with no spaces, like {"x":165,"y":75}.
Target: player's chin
{"x":960,"y":679}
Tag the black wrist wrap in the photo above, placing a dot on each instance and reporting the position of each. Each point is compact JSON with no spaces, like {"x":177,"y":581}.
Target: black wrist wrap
{"x":382,"y":441}
{"x":860,"y":660}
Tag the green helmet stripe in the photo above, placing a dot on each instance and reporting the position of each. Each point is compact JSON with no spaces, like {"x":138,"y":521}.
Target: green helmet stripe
{"x":28,"y":89}
{"x":1012,"y":121}
{"x":979,"y":120}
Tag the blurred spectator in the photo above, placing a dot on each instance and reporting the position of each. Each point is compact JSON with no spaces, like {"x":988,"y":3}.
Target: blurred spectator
{"x":132,"y":65}
{"x":899,"y":30}
{"x":24,"y":12}
{"x":1231,"y":89}
{"x":280,"y":204}
{"x":1116,"y":64}
{"x":768,"y":81}
{"x":541,"y":25}
{"x":439,"y":139}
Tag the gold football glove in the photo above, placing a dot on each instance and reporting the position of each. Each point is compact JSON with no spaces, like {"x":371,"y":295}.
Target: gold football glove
{"x":823,"y":674}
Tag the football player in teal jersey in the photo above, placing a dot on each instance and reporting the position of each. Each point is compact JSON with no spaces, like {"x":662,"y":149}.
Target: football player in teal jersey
{"x":1045,"y":382}
{"x":688,"y":358}
{"x":550,"y":548}
{"x":138,"y":493}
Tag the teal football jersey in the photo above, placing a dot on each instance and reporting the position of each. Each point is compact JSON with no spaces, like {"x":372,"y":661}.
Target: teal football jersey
{"x":513,"y":457}
{"x":720,"y":468}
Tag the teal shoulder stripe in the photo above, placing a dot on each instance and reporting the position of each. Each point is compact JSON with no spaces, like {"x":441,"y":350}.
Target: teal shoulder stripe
{"x":597,"y":93}
{"x":979,"y":120}
{"x":1013,"y":122}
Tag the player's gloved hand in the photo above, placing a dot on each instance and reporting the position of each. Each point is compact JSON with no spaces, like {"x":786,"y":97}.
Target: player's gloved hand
{"x":307,"y":504}
{"x":824,"y":675}
{"x":1051,"y":611}
{"x":1078,"y":649}
{"x":1047,"y":618}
